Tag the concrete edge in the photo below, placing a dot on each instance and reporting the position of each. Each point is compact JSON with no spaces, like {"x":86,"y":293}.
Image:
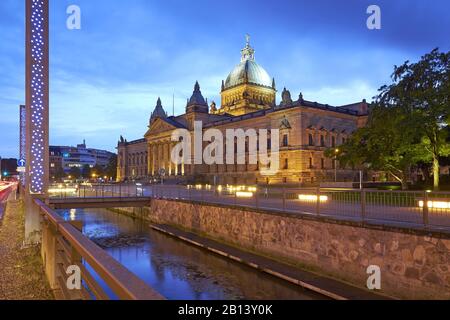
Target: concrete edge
{"x":277,"y":273}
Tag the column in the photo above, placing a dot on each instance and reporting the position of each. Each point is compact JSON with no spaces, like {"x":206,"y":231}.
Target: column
{"x":169,"y":149}
{"x":149,"y":160}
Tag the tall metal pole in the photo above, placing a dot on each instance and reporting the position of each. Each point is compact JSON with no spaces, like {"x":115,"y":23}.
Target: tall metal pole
{"x":37,"y":96}
{"x":37,"y":111}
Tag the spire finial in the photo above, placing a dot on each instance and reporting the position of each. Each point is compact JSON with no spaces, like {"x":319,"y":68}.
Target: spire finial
{"x":248,"y":53}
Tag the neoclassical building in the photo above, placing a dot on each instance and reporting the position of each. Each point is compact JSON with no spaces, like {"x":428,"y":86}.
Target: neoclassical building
{"x":248,"y":101}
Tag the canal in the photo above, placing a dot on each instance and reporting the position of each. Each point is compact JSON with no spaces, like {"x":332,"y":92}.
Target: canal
{"x":177,"y":270}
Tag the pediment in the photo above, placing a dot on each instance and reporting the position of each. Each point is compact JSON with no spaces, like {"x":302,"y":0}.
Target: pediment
{"x":159,"y":126}
{"x":285,"y":124}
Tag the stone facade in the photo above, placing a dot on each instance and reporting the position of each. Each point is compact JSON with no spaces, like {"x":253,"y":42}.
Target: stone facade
{"x":307,"y":130}
{"x":413,"y":265}
{"x":132,"y":160}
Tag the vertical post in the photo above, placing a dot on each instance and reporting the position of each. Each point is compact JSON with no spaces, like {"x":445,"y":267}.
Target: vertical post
{"x":103,"y":190}
{"x":284,"y":199}
{"x":36,"y":111}
{"x":363,"y":204}
{"x":37,"y":96}
{"x":318,"y":201}
{"x":425,"y":209}
{"x":360,"y":179}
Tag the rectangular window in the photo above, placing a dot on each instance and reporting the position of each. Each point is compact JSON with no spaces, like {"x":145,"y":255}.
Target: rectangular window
{"x":310,"y":163}
{"x":333,"y":142}
{"x":285,"y":140}
{"x":286,"y":164}
{"x":322,"y":141}
{"x":52,"y":165}
{"x":311,"y":140}
{"x":322,"y":163}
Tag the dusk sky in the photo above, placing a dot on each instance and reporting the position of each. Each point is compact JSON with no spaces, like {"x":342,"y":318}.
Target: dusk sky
{"x":106,"y":77}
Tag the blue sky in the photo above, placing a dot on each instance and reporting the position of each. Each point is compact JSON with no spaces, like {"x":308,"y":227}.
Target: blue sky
{"x":106,"y":77}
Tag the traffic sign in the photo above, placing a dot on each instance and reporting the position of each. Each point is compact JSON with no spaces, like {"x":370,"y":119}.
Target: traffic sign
{"x":21,"y":162}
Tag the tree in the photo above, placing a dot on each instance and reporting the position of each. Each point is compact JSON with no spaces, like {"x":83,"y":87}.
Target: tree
{"x":386,"y":144}
{"x":59,"y":174}
{"x":111,"y":168}
{"x":422,"y":91}
{"x":98,"y":171}
{"x":86,"y":171}
{"x":75,"y":172}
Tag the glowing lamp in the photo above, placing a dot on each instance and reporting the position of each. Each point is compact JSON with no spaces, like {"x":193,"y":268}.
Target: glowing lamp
{"x":311,"y":198}
{"x":435,"y":204}
{"x":244,"y":194}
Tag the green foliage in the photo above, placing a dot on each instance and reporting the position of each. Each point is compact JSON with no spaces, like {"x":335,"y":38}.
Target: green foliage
{"x":75,"y":172}
{"x":86,"y":171}
{"x":408,"y":122}
{"x":111,"y":168}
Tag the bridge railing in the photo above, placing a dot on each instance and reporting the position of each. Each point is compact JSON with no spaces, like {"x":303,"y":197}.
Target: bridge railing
{"x":95,"y":191}
{"x":415,"y":209}
{"x":65,"y":249}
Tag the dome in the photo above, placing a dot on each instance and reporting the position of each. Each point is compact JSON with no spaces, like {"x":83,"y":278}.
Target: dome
{"x":248,"y":71}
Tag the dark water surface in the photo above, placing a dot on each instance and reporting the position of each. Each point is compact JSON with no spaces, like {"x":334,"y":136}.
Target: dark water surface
{"x":175,"y":269}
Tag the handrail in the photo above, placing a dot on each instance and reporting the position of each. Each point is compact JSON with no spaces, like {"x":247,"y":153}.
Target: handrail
{"x":123,"y":282}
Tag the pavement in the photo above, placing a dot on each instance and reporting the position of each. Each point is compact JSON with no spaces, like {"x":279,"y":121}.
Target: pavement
{"x":22,"y":275}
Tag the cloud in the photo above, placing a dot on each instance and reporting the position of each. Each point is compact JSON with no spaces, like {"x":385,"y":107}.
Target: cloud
{"x":106,"y":77}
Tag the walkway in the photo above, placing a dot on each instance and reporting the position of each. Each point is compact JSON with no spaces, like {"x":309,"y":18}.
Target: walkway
{"x":22,"y":276}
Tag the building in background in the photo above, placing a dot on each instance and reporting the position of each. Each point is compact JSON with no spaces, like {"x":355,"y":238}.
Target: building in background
{"x":307,"y":130}
{"x":8,"y":168}
{"x":64,"y":158}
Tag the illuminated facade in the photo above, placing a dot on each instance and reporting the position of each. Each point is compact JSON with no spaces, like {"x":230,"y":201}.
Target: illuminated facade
{"x":307,"y":130}
{"x":64,"y":158}
{"x":37,"y":95}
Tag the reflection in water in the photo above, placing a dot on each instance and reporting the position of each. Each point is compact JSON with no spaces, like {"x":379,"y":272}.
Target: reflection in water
{"x":176,"y":269}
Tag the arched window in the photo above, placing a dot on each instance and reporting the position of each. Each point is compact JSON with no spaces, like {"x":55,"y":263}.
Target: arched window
{"x":311,"y":139}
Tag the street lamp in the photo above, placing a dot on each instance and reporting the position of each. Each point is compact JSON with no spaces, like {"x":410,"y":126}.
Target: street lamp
{"x":336,"y":151}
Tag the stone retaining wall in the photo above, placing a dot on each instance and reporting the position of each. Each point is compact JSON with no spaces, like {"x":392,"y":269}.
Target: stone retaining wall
{"x":413,"y":265}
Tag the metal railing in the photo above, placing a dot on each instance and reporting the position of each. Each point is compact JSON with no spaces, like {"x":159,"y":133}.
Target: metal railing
{"x":63,"y":245}
{"x":96,"y":191}
{"x":408,"y":209}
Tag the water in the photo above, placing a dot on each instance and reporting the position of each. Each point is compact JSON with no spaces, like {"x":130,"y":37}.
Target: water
{"x":177,"y":270}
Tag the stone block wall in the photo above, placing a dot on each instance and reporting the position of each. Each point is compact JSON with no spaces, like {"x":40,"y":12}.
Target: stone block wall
{"x":413,"y":265}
